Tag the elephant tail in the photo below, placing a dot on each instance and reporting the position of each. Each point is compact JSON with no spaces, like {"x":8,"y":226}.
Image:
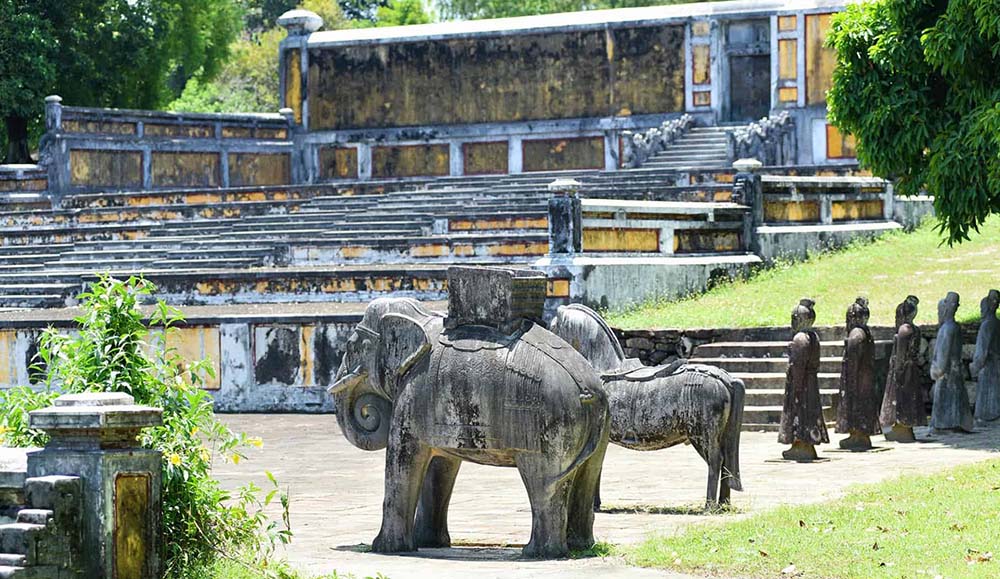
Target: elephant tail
{"x":731,"y":435}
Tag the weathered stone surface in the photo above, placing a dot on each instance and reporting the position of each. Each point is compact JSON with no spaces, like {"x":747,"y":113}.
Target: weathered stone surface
{"x":656,"y":408}
{"x":951,"y":409}
{"x":985,"y":364}
{"x":436,"y":396}
{"x":903,"y":401}
{"x":858,"y":409}
{"x":802,"y":422}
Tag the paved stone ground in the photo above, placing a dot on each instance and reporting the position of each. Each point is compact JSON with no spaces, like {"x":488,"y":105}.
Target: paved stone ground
{"x":336,"y":494}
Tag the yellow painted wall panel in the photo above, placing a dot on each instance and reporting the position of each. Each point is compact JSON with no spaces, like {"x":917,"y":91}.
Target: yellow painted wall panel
{"x":820,"y":59}
{"x":701,"y":64}
{"x":609,"y":239}
{"x":185,"y":169}
{"x":98,"y":127}
{"x":411,"y":161}
{"x":788,"y":94}
{"x":194,"y":343}
{"x":338,"y":162}
{"x":248,"y":169}
{"x":105,"y":168}
{"x":787,"y":23}
{"x":172,"y":130}
{"x":706,"y":241}
{"x":857,"y":210}
{"x":237,"y":133}
{"x":487,"y":158}
{"x":563,"y":154}
{"x":701,"y":28}
{"x":270,"y":133}
{"x":507,"y":78}
{"x":838,"y":145}
{"x":788,"y":59}
{"x":132,"y":509}
{"x":293,"y":82}
{"x":557,"y":288}
{"x":791,"y":211}
{"x":701,"y":98}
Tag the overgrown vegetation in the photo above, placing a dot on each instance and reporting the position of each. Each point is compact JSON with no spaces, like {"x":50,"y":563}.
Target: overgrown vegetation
{"x":914,"y":83}
{"x":942,"y":525}
{"x":116,"y":351}
{"x":885,"y":271}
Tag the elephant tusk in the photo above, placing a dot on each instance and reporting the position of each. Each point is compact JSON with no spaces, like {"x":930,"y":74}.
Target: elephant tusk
{"x":348,"y":381}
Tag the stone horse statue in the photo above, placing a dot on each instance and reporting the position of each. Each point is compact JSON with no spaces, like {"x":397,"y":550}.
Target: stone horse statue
{"x":658,"y":407}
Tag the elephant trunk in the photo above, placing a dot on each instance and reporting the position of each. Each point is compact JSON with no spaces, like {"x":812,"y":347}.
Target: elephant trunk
{"x":363,"y":415}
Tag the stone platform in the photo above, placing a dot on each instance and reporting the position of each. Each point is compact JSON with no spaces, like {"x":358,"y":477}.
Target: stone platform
{"x":336,"y":494}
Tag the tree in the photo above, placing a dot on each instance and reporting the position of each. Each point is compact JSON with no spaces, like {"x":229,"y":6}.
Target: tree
{"x":402,"y":13}
{"x":916,"y":84}
{"x":110,"y":53}
{"x":359,"y":10}
{"x":26,"y":44}
{"x":473,"y":9}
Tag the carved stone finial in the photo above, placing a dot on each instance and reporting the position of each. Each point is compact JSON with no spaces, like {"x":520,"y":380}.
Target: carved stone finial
{"x":568,"y":187}
{"x":299,"y":22}
{"x":747,"y":165}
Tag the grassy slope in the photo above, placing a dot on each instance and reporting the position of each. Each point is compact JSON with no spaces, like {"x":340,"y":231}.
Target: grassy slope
{"x":884,"y":271}
{"x":943,"y":525}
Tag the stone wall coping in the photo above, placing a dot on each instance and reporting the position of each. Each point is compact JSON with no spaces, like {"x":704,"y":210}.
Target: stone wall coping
{"x":586,"y":20}
{"x":661,"y":206}
{"x":277,"y":119}
{"x":90,"y":418}
{"x":823,"y":181}
{"x":95,"y":399}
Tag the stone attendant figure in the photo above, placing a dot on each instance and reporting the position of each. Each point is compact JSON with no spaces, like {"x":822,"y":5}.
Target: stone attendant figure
{"x":951,"y":409}
{"x":802,"y":423}
{"x":903,"y":403}
{"x":857,"y":414}
{"x":986,"y":363}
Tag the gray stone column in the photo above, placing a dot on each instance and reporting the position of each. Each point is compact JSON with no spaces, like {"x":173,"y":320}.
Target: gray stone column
{"x":748,"y":190}
{"x":565,"y":217}
{"x":94,"y":437}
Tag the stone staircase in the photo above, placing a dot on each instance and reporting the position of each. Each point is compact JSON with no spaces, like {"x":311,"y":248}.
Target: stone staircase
{"x":762,"y":367}
{"x":39,"y":524}
{"x":699,"y":148}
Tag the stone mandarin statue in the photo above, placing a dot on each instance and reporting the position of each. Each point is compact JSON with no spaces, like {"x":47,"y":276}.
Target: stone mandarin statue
{"x":986,"y":362}
{"x":802,"y":423}
{"x":857,"y":413}
{"x":903,"y":403}
{"x":951,"y":409}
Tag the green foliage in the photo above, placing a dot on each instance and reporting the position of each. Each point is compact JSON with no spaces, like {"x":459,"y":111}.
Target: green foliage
{"x":834,"y":279}
{"x":115,"y":351}
{"x":912,"y":85}
{"x":248,"y":81}
{"x":915,"y":526}
{"x":474,"y":9}
{"x":402,"y":13}
{"x":358,"y":10}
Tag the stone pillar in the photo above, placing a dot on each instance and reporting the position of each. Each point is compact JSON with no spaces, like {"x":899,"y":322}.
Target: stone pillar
{"x":293,"y":58}
{"x":94,"y":437}
{"x":53,"y":113}
{"x":565,"y":217}
{"x":748,"y":190}
{"x":53,"y":154}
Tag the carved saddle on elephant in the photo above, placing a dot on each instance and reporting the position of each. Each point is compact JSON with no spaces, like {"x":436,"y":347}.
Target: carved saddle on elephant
{"x":633,"y":370}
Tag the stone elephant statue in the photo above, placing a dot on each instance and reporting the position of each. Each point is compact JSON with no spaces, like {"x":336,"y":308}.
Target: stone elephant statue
{"x":437,"y":396}
{"x":658,"y":407}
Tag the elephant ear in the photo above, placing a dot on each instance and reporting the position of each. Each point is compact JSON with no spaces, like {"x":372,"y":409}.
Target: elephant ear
{"x":402,"y":343}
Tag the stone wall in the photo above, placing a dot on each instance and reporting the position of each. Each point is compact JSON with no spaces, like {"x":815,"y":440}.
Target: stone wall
{"x":88,"y":149}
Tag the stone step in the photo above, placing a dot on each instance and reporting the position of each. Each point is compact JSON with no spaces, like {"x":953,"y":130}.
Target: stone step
{"x":32,"y":301}
{"x":831,"y":364}
{"x":34,"y":516}
{"x":27,"y":258}
{"x":776,"y":397}
{"x":37,"y":289}
{"x":12,"y":560}
{"x":228,"y":263}
{"x":754,"y":417}
{"x":19,"y":538}
{"x":776,"y":380}
{"x":771,"y":349}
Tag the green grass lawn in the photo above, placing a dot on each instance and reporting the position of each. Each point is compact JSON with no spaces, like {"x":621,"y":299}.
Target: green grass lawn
{"x":884,"y":271}
{"x":945,"y":525}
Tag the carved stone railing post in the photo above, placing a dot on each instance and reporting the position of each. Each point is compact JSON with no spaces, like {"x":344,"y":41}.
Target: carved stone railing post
{"x":748,"y":190}
{"x":565,"y":217}
{"x":94,"y":437}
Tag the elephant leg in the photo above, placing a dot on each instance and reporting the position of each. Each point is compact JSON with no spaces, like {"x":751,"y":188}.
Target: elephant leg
{"x":549,"y":495}
{"x":597,"y":496}
{"x":432,"y":511}
{"x":406,"y":461}
{"x":580,"y":526}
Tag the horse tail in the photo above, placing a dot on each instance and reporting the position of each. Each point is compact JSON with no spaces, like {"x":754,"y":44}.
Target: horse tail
{"x":731,"y":435}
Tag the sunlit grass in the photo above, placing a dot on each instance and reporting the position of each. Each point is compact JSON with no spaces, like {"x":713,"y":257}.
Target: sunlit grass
{"x":885,"y":271}
{"x":944,"y":525}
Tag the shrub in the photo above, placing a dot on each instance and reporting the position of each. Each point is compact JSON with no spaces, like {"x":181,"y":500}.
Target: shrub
{"x":117,"y":351}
